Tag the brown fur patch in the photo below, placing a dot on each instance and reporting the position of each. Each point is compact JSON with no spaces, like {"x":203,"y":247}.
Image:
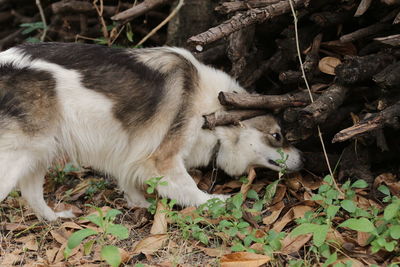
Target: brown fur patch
{"x":28,"y":96}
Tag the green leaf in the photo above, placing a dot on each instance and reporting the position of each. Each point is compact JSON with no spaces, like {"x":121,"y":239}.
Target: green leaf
{"x":97,"y":220}
{"x":111,"y":255}
{"x":203,"y":238}
{"x":225,"y":223}
{"x":119,"y":231}
{"x":360,"y":184}
{"x":237,"y":200}
{"x":243,"y":225}
{"x":237,"y":213}
{"x":87,"y":247}
{"x":76,"y":238}
{"x":304,"y":228}
{"x":331,"y":259}
{"x":360,"y":225}
{"x":389,"y":246}
{"x":332,"y":210}
{"x":252,"y":194}
{"x":390,"y":211}
{"x":348,"y":205}
{"x":319,"y":236}
{"x":111,"y":214}
{"x":395,"y":231}
{"x":270,"y":192}
{"x":384,"y":189}
{"x":328,"y":179}
{"x":238,"y":247}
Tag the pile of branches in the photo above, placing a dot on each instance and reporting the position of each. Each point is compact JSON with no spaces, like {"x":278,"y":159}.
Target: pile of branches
{"x":349,"y":50}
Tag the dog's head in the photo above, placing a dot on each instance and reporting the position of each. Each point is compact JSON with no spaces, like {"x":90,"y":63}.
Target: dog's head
{"x":257,"y":142}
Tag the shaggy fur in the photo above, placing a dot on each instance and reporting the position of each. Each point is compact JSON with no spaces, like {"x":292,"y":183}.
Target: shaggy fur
{"x":131,"y":113}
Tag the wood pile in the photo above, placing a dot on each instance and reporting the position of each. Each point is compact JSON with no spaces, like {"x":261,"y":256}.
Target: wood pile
{"x":350,"y":54}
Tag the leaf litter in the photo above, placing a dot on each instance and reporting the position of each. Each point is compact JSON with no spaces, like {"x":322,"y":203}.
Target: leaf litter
{"x":157,"y":240}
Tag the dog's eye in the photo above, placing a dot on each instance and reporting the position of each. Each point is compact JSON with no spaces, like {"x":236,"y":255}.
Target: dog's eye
{"x":277,"y":136}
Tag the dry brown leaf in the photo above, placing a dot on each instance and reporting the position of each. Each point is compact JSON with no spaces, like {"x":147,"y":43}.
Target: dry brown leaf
{"x":335,"y":236}
{"x":214,"y":252}
{"x":240,"y":259}
{"x":362,"y":238}
{"x":310,"y":182}
{"x":246,"y":187}
{"x":150,"y":244}
{"x":160,"y":225}
{"x":354,"y":262}
{"x":274,"y":211}
{"x":60,"y":235}
{"x":279,"y":194}
{"x":10,"y":258}
{"x":13,"y":226}
{"x":294,"y":213}
{"x":31,"y":244}
{"x":328,"y":64}
{"x":292,"y":244}
{"x":71,"y":225}
{"x":51,"y":254}
{"x":390,"y":180}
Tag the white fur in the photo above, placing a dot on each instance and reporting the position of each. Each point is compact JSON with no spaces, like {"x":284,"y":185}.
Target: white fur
{"x":89,"y":134}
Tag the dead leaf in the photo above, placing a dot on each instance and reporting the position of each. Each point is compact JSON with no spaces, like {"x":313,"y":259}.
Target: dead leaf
{"x":250,"y":178}
{"x":294,"y":213}
{"x":214,"y":252}
{"x":279,"y":194}
{"x":310,"y":182}
{"x":335,"y":236}
{"x":51,"y":254}
{"x":344,"y":49}
{"x":60,"y":235}
{"x":65,"y":206}
{"x":239,"y":259}
{"x":150,"y":244}
{"x":31,"y":244}
{"x":362,"y":238}
{"x":292,"y":244}
{"x":160,"y":225}
{"x":354,"y":262}
{"x":10,"y":258}
{"x":328,"y":64}
{"x":71,"y":225}
{"x":274,"y":212}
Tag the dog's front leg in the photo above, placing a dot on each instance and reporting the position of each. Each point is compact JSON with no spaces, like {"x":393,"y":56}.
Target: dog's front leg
{"x":181,"y":186}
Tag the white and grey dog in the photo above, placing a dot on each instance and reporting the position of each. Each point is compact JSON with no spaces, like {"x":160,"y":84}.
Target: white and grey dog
{"x":131,"y":113}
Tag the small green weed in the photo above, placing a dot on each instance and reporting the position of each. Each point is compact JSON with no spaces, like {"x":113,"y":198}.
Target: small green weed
{"x":108,"y":228}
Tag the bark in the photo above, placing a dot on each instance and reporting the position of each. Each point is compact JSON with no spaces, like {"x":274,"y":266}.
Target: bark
{"x":241,"y":20}
{"x":388,"y":116}
{"x":254,"y":101}
{"x":229,"y":117}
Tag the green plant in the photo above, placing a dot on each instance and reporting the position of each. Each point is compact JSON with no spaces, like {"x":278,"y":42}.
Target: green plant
{"x":59,"y":173}
{"x":95,"y":186}
{"x":107,"y":229}
{"x":152,"y":186}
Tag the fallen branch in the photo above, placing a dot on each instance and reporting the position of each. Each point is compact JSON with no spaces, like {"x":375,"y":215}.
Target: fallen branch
{"x":138,"y":10}
{"x":388,"y":116}
{"x":318,"y":111}
{"x":241,"y":20}
{"x":229,"y":117}
{"x":255,"y":101}
{"x":229,"y":7}
{"x":364,"y":32}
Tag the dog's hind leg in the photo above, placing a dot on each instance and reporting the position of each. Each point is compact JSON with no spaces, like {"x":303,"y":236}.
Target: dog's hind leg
{"x":32,"y":190}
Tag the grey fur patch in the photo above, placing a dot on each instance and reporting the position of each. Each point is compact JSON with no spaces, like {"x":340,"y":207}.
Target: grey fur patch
{"x":27,"y":96}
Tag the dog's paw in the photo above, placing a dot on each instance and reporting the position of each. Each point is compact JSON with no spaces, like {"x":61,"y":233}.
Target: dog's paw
{"x":66,"y":214}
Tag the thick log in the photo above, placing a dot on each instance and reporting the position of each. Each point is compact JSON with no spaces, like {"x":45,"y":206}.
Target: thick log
{"x":361,"y":69}
{"x":229,"y":117}
{"x":328,"y":103}
{"x":388,"y":116}
{"x":241,"y":20}
{"x":389,"y":77}
{"x":365,"y":32}
{"x":255,"y":101}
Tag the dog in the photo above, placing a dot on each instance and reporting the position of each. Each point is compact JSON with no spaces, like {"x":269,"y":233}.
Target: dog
{"x":131,"y":113}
